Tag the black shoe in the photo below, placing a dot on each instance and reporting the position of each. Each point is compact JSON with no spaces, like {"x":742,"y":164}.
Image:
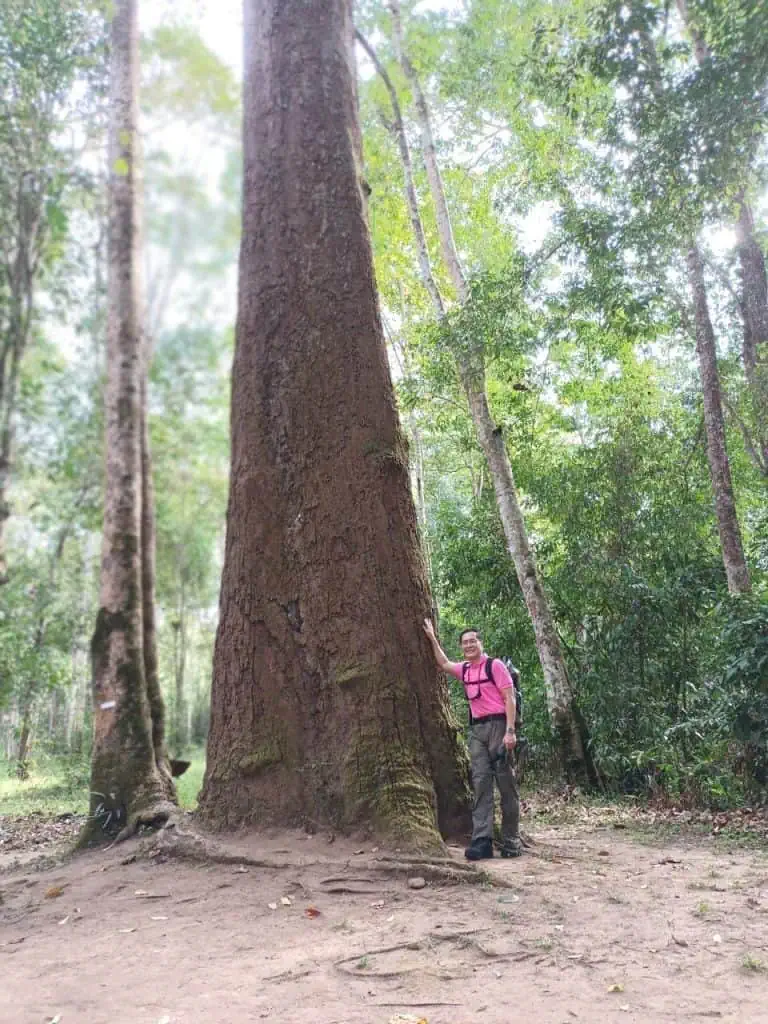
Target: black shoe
{"x":512,"y":848}
{"x":481,"y":849}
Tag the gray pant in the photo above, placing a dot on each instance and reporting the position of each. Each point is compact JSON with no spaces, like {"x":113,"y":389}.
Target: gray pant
{"x":485,"y":738}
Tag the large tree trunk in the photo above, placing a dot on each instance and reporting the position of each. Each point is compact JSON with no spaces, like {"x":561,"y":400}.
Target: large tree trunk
{"x":717,"y":452}
{"x":566,"y":722}
{"x":326,"y":705}
{"x":127,"y":783}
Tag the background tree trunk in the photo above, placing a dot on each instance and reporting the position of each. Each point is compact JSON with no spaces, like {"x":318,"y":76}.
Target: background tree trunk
{"x":754,"y":304}
{"x":181,"y":708}
{"x":714,"y":423}
{"x":125,"y":774}
{"x":149,"y":639}
{"x":566,"y":722}
{"x":326,"y":703}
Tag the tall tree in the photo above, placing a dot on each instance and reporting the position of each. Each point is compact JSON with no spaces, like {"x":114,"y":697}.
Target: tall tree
{"x":130,"y":781}
{"x":566,"y":723}
{"x":737,"y":30}
{"x":731,"y":546}
{"x":48,"y":52}
{"x":326,"y":708}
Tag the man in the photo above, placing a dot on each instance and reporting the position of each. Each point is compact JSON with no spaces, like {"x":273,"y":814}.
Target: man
{"x":492,"y":710}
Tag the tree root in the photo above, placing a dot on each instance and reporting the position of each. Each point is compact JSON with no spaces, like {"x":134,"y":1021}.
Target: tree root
{"x":449,"y":873}
{"x":184,"y":845}
{"x":160,"y":815}
{"x":173,"y":841}
{"x":465,"y":940}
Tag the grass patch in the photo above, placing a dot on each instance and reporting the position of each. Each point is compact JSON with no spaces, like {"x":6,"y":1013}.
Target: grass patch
{"x":752,"y":963}
{"x":54,"y":786}
{"x":57,"y":785}
{"x":188,"y":785}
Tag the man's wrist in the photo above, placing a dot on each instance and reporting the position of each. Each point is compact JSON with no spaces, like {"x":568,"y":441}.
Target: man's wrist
{"x":510,"y":730}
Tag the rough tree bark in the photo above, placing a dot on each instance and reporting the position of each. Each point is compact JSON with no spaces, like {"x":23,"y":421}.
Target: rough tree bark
{"x":128,"y":780}
{"x":566,"y":722}
{"x":326,"y":705}
{"x":717,"y":451}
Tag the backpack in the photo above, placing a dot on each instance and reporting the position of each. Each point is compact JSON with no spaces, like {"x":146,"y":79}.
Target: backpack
{"x":507,"y":662}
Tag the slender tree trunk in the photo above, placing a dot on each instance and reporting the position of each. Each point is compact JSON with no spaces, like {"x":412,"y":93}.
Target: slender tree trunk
{"x":25,"y":733}
{"x":717,"y":452}
{"x":21,"y":274}
{"x":181,"y":715}
{"x":326,"y":705}
{"x":566,"y":722}
{"x":154,"y":694}
{"x":126,"y":780}
{"x":754,"y":294}
{"x":754,"y":304}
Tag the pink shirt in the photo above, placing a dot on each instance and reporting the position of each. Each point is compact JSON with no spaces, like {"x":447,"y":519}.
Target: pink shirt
{"x":491,"y":699}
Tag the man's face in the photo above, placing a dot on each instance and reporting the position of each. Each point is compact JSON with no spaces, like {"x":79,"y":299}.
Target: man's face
{"x":471,"y":646}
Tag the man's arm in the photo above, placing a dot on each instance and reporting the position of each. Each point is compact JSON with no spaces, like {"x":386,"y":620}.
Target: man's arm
{"x":440,"y":657}
{"x":506,"y":688}
{"x":510,"y":706}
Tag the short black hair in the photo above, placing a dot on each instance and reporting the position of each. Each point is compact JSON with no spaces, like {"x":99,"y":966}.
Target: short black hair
{"x":469,"y":629}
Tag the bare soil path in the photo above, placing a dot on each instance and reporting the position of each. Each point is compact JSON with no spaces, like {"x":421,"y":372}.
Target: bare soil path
{"x":593,"y":926}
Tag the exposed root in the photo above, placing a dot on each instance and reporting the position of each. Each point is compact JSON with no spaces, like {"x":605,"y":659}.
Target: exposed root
{"x":175,"y":842}
{"x":356,"y":965}
{"x":449,"y":873}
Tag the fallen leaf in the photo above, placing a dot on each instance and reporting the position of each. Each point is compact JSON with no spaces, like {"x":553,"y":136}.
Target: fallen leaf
{"x":64,"y":919}
{"x":624,"y":1006}
{"x":312,"y":912}
{"x":407,"y":1018}
{"x":141,"y":892}
{"x":717,"y":938}
{"x":272,"y":906}
{"x":679,"y":942}
{"x":377,"y":904}
{"x":158,"y":918}
{"x":615,"y":988}
{"x":241,"y":869}
{"x":54,"y":892}
{"x":125,"y":931}
{"x":286,"y":901}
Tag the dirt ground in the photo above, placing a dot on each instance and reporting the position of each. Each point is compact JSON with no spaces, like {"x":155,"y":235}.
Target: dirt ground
{"x":591,"y":925}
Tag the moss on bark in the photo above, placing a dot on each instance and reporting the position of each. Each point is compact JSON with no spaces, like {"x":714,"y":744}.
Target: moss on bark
{"x":392,"y":791}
